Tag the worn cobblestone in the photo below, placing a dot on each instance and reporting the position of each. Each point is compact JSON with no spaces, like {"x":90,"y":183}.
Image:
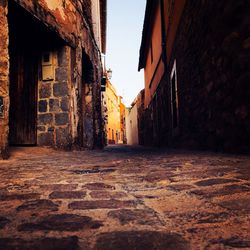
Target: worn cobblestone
{"x":124,"y":198}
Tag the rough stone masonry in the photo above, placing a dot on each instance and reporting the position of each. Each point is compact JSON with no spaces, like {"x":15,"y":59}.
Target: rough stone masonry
{"x":4,"y":83}
{"x":62,"y":37}
{"x":124,"y":198}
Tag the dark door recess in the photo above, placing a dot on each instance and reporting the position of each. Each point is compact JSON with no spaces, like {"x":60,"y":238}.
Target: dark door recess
{"x":23,"y":97}
{"x":28,"y":38}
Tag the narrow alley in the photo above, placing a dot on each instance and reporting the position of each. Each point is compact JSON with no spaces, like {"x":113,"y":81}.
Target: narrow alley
{"x":124,"y":125}
{"x":124,"y":197}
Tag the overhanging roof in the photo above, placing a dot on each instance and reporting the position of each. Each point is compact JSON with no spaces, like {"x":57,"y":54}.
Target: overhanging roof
{"x":147,"y":26}
{"x":103,"y":5}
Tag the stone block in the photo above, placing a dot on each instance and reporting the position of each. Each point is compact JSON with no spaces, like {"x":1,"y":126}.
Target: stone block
{"x":141,"y":240}
{"x":38,"y":205}
{"x":98,"y":186}
{"x":41,"y":128}
{"x":65,"y":104}
{"x":46,"y":139}
{"x":60,"y":89}
{"x":54,"y":105}
{"x":3,"y":64}
{"x":44,"y":119}
{"x":44,"y":90}
{"x":3,"y":222}
{"x":4,"y":152}
{"x":61,"y":222}
{"x":40,"y":243}
{"x":61,"y":119}
{"x":42,"y":106}
{"x":63,"y":138}
{"x":67,"y":195}
{"x":62,"y":74}
{"x":62,"y":57}
{"x":18,"y":196}
{"x":3,"y":3}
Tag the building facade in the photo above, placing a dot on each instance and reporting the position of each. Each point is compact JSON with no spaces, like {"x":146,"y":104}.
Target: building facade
{"x":135,"y":121}
{"x":132,"y":125}
{"x":123,"y":137}
{"x":50,"y":73}
{"x":114,"y":108}
{"x":195,"y":55}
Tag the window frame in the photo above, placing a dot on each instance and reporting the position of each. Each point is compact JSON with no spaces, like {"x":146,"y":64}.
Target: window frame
{"x":174,"y":123}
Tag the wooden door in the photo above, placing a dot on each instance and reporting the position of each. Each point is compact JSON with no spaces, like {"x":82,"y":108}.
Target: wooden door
{"x":23,"y":96}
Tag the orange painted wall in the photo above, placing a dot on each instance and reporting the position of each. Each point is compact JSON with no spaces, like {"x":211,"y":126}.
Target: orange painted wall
{"x":172,"y":29}
{"x":153,"y":71}
{"x":152,"y":66}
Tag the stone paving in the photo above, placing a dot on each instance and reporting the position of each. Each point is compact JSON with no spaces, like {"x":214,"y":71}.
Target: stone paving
{"x":124,"y":198}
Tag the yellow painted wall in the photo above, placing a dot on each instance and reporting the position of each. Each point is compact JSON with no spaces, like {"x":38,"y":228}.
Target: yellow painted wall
{"x":123,"y":138}
{"x":113,"y":111}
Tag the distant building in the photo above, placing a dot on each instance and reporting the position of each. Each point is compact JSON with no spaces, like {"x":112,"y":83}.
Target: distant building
{"x":123,"y":138}
{"x":114,"y":111}
{"x":135,"y":121}
{"x":140,"y":117}
{"x":50,"y":73}
{"x":195,"y":56}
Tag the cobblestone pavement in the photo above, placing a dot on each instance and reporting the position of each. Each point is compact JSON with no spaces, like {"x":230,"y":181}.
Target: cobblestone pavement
{"x":124,"y":198}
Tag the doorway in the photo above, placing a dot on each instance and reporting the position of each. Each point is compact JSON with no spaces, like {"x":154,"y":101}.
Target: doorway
{"x":23,"y":78}
{"x":23,"y":96}
{"x":29,"y":38}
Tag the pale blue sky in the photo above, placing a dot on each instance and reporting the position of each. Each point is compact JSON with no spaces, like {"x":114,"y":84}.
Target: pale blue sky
{"x":124,"y":31}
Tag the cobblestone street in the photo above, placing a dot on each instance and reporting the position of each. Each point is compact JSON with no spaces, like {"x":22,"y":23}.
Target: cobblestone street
{"x":124,"y":198}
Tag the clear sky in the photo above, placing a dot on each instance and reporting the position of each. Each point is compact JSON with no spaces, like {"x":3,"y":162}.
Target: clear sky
{"x":124,"y":31}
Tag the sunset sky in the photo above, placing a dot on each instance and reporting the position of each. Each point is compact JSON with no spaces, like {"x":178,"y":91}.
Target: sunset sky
{"x":124,"y":30}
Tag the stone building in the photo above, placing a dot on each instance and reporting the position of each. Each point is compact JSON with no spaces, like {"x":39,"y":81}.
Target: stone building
{"x":196,"y":60}
{"x":50,"y":73}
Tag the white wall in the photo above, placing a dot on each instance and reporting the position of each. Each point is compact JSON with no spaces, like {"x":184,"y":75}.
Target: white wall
{"x":132,"y":126}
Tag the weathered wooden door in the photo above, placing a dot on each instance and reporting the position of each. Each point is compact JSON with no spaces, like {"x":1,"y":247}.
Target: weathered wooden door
{"x":23,"y":96}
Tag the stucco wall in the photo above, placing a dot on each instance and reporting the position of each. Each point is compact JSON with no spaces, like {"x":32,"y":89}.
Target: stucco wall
{"x":132,"y":126}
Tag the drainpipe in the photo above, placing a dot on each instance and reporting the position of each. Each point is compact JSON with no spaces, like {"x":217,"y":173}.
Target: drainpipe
{"x":163,"y":35}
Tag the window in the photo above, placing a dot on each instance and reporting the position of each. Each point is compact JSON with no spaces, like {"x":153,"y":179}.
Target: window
{"x":174,"y":98}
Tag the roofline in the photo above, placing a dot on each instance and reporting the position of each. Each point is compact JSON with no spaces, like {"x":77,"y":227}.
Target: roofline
{"x":147,"y":26}
{"x":103,"y":14}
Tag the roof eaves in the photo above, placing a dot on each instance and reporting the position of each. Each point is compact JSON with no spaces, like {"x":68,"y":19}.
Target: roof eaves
{"x":150,"y":7}
{"x":103,"y":24}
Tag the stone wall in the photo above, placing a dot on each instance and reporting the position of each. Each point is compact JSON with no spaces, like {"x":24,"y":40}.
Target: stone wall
{"x":54,"y":104}
{"x":4,"y":79}
{"x":60,"y":109}
{"x":211,"y":50}
{"x":212,"y":58}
